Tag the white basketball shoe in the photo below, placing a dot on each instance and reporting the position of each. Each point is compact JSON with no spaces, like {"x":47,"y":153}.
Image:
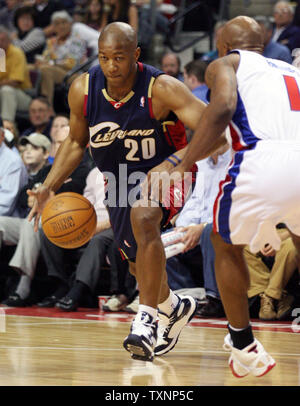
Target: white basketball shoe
{"x":252,"y":359}
{"x":169,"y":327}
{"x":142,"y":338}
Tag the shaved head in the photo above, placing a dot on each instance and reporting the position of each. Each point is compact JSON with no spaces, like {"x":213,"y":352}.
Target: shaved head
{"x":241,"y":33}
{"x":121,"y":33}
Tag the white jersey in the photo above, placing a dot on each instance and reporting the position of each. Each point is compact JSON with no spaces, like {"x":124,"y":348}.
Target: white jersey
{"x":262,"y":186}
{"x":268,"y":105}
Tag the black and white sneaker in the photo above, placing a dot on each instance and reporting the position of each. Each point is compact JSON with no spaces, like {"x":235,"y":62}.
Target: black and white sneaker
{"x":169,"y":327}
{"x":142,"y":338}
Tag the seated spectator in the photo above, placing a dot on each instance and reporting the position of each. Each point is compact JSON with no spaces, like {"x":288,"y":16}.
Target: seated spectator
{"x":170,"y":64}
{"x":12,"y":128}
{"x":269,"y":284}
{"x":20,"y":232}
{"x":14,"y":81}
{"x":28,"y":37}
{"x":124,"y":11}
{"x":146,"y":29}
{"x":44,"y":10}
{"x":92,"y":258}
{"x":7,"y":14}
{"x":194,"y":79}
{"x":212,"y":55}
{"x":272,"y":49}
{"x":198,"y":211}
{"x":67,"y":49}
{"x":285,"y":32}
{"x":12,"y":179}
{"x":95,"y":17}
{"x":59,"y":121}
{"x":40,"y":116}
{"x":36,"y":152}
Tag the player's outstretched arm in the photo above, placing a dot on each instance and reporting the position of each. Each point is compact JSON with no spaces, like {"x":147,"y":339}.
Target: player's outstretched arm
{"x":69,"y":154}
{"x":221,"y":79}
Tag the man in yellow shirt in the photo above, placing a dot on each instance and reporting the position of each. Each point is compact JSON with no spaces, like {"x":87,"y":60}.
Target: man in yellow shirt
{"x":14,"y":81}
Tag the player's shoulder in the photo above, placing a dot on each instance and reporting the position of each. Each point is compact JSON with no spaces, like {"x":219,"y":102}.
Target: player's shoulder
{"x":77,"y":91}
{"x":78,"y":85}
{"x":166,"y":84}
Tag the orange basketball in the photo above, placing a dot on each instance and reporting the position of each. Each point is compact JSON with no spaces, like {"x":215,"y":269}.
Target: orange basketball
{"x":69,"y":220}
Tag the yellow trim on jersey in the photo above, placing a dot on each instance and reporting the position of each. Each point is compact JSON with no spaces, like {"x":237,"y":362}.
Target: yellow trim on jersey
{"x":87,"y":78}
{"x":124,"y":254}
{"x":150,"y":87}
{"x":124,"y":100}
{"x":165,"y":123}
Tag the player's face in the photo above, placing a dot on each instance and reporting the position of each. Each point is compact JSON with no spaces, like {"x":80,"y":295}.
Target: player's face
{"x":117,"y":62}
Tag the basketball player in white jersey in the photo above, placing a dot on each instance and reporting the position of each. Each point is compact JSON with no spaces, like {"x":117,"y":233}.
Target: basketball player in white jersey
{"x":259,"y":99}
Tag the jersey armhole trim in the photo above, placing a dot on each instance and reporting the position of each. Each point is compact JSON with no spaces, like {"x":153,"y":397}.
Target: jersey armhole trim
{"x":150,"y":96}
{"x":86,"y":93}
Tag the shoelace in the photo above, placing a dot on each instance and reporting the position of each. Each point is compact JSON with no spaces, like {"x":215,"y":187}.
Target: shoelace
{"x":267,"y":303}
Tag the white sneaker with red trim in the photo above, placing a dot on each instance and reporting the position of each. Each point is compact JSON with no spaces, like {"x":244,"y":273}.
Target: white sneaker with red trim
{"x":252,"y":359}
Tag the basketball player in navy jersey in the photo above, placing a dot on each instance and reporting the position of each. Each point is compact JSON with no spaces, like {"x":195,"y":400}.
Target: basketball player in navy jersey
{"x":132,"y":114}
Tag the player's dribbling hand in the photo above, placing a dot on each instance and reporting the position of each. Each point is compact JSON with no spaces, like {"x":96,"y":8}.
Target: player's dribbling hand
{"x":41,"y":196}
{"x":153,"y":185}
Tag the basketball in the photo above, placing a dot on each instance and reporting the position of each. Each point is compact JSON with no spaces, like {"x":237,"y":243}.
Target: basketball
{"x":69,"y":220}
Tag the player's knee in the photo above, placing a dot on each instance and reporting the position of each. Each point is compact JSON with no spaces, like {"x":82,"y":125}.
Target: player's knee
{"x":145,"y":221}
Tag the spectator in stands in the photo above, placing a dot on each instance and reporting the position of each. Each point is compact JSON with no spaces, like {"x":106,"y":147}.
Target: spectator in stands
{"x":92,"y":258}
{"x":170,"y":64}
{"x":11,"y":135}
{"x":7,"y":14}
{"x":198,"y":211}
{"x":285,"y":32}
{"x":62,"y":53}
{"x":20,"y":232}
{"x":14,"y":81}
{"x":193,"y":75}
{"x":194,"y":79}
{"x":44,"y":10}
{"x":272,"y":49}
{"x":40,"y":116}
{"x":28,"y":37}
{"x":212,"y":55}
{"x":66,"y":50}
{"x":95,"y":16}
{"x":146,"y":30}
{"x":57,"y":137}
{"x":270,"y":281}
{"x":36,"y":152}
{"x":13,"y":177}
{"x":122,"y":10}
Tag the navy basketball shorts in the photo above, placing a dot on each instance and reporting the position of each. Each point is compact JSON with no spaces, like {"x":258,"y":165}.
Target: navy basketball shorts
{"x":120,"y":217}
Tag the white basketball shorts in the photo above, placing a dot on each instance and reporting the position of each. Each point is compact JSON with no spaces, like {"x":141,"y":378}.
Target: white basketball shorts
{"x":261,"y":190}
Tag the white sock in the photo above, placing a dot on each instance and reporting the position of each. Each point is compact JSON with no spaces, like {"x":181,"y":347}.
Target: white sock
{"x":149,"y":310}
{"x":169,"y":304}
{"x":237,"y":329}
{"x":23,"y":288}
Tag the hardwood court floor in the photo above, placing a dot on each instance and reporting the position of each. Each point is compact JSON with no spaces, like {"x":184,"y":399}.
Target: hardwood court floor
{"x":84,"y":348}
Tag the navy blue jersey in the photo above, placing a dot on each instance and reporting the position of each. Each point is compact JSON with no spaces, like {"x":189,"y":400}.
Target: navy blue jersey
{"x":125,"y":138}
{"x":126,"y":132}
